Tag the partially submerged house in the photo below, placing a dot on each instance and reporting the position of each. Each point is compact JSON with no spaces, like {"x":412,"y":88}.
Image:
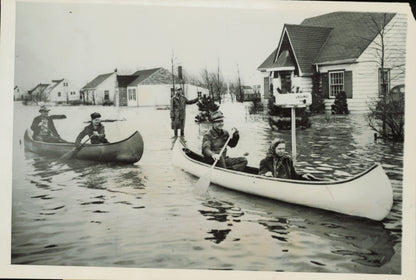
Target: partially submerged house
{"x":148,"y":87}
{"x":339,"y":51}
{"x":61,"y":91}
{"x":101,"y":90}
{"x":38,"y":93}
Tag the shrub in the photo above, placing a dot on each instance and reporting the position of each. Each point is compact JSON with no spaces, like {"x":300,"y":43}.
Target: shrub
{"x":386,"y":116}
{"x":340,"y":105}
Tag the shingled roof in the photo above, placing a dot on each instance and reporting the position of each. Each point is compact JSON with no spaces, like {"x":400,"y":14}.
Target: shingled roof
{"x":336,"y":36}
{"x":98,"y":80}
{"x":352,"y":33}
{"x":305,"y":49}
{"x":142,"y":75}
{"x":125,"y":80}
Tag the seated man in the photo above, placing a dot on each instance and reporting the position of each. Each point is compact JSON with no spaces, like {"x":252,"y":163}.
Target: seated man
{"x":214,"y":140}
{"x":95,"y":130}
{"x":43,"y":127}
{"x":279,"y":164}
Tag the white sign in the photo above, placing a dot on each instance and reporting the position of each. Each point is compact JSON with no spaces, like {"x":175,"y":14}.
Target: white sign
{"x":294,"y":99}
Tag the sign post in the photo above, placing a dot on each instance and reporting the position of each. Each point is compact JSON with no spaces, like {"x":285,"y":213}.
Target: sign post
{"x":293,"y":101}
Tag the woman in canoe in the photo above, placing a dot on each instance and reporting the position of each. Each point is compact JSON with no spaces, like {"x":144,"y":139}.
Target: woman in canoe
{"x":215,"y":139}
{"x":95,"y":130}
{"x":279,"y":164}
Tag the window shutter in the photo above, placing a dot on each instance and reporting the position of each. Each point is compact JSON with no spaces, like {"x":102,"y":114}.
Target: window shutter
{"x":266,"y":87}
{"x":348,"y":83}
{"x":325,"y":85}
{"x":379,"y":82}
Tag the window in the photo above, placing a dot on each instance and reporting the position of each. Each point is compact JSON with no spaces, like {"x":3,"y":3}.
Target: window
{"x":132,"y":94}
{"x":386,"y":87}
{"x":106,"y":95}
{"x":59,"y":94}
{"x":336,"y":83}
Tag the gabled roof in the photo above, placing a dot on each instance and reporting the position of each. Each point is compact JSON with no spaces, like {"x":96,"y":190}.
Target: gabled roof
{"x":143,"y":75}
{"x":305,"y":42}
{"x":352,"y":33}
{"x":124,"y":80}
{"x":41,"y":88}
{"x":338,"y":36}
{"x":98,"y":80}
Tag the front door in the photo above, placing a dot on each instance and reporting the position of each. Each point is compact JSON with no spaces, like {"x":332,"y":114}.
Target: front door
{"x":132,"y":97}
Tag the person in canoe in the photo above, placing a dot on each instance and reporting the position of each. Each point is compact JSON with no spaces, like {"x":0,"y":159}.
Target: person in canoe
{"x":279,"y":164}
{"x":178,"y":111}
{"x":95,"y":130}
{"x":215,"y":139}
{"x":43,"y":127}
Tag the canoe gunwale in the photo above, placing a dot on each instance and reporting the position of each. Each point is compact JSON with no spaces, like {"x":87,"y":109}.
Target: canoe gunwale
{"x":29,"y":134}
{"x":300,"y":182}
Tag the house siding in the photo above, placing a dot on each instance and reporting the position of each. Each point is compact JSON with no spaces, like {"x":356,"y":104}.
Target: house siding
{"x":365,"y":73}
{"x":110,"y":85}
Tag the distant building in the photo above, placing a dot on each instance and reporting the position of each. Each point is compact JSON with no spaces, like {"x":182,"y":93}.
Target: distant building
{"x":251,"y":93}
{"x":149,"y":87}
{"x":101,"y":90}
{"x":342,"y":47}
{"x":38,"y":93}
{"x":19,"y":94}
{"x":61,"y":91}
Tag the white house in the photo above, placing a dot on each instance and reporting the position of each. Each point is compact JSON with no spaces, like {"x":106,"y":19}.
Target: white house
{"x":338,"y":52}
{"x":152,"y":87}
{"x":101,"y":90}
{"x":19,"y":93}
{"x":62,"y":91}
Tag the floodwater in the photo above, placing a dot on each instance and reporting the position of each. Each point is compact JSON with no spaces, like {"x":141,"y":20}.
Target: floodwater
{"x":145,"y":215}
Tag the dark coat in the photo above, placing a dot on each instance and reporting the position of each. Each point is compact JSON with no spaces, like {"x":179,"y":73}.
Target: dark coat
{"x":177,"y":110}
{"x":281,"y":167}
{"x":38,"y":130}
{"x":214,"y":140}
{"x":89,"y":130}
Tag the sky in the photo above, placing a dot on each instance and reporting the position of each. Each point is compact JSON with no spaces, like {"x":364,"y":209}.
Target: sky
{"x":81,"y":40}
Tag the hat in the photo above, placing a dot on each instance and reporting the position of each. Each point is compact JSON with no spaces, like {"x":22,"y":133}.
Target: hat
{"x":95,"y":115}
{"x":217,"y":116}
{"x":43,"y":108}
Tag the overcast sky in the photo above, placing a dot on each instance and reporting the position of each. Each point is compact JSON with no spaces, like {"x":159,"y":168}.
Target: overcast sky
{"x":81,"y":41}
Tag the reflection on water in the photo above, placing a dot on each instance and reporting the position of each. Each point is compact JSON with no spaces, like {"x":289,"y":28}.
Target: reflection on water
{"x":145,"y":215}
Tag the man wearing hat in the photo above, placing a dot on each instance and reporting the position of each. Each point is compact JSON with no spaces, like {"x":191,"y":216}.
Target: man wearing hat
{"x":178,"y":111}
{"x":95,"y":130}
{"x":215,"y":139}
{"x":43,"y":127}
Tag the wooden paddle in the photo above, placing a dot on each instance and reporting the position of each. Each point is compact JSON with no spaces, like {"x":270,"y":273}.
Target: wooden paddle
{"x":57,"y":117}
{"x":71,"y":154}
{"x":201,"y":186}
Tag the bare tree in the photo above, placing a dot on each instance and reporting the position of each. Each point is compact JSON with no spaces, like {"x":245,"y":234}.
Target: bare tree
{"x":385,"y":57}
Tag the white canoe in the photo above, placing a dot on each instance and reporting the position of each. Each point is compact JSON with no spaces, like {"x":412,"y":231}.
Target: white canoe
{"x":368,"y":194}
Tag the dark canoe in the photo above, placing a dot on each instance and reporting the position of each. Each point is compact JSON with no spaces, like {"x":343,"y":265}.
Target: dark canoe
{"x":129,"y":150}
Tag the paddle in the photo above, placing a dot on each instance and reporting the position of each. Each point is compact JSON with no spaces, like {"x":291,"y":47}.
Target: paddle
{"x":71,"y":154}
{"x":57,"y":117}
{"x":109,"y":120}
{"x":201,"y":186}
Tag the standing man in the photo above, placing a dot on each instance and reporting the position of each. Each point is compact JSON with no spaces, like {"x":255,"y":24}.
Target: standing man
{"x":43,"y":127}
{"x":178,"y":111}
{"x":214,"y":140}
{"x":95,"y":130}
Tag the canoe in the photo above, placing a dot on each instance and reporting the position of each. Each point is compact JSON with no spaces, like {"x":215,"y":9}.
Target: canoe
{"x":129,"y":150}
{"x":368,"y":194}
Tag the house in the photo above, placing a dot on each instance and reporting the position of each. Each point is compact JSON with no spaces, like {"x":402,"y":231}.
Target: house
{"x":153,"y":87}
{"x":38,"y":93}
{"x":61,"y":91}
{"x":101,"y":90}
{"x":148,"y":87}
{"x":339,"y":52}
{"x":19,"y":94}
{"x":250,"y":93}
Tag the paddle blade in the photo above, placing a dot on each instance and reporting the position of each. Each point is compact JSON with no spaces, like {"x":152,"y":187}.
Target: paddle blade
{"x":201,"y":186}
{"x":69,"y":155}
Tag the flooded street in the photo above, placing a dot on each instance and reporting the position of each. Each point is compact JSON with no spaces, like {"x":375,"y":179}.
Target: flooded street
{"x":145,"y":215}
